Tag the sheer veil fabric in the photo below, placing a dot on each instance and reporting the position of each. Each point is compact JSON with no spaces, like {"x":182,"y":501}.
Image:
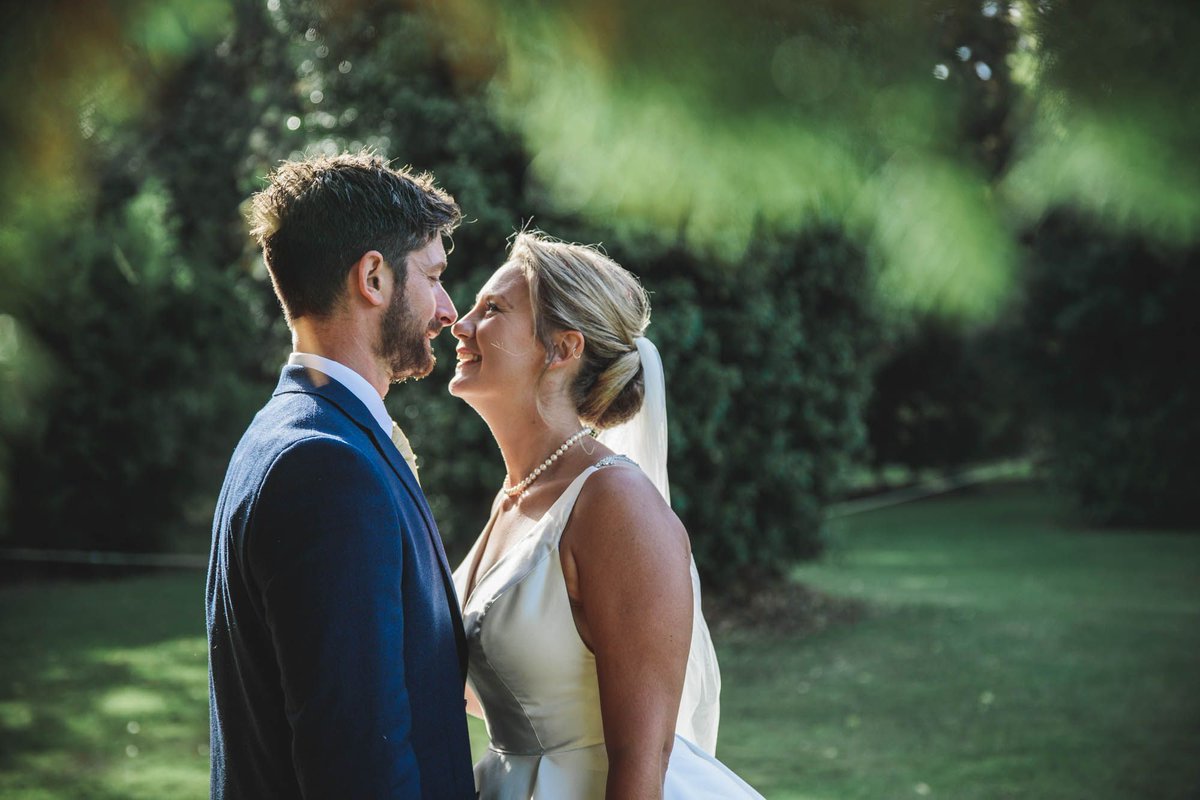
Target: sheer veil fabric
{"x":644,"y":439}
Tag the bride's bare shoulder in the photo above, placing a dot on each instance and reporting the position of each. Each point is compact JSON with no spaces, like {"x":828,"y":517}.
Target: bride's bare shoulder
{"x":624,"y":551}
{"x":619,"y":509}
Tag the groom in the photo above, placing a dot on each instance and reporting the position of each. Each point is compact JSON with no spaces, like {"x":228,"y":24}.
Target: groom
{"x":336,"y":651}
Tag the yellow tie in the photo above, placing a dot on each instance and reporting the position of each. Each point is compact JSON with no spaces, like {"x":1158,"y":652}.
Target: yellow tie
{"x":401,"y":442}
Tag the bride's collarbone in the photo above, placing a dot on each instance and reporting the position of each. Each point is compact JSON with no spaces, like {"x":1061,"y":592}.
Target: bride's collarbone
{"x":514,"y":517}
{"x":540,"y":497}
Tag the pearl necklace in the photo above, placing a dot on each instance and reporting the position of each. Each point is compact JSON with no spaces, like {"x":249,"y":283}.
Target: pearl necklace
{"x":513,"y":491}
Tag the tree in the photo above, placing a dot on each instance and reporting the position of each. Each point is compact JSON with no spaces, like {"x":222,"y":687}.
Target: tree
{"x":942,"y":397}
{"x":1107,"y":340}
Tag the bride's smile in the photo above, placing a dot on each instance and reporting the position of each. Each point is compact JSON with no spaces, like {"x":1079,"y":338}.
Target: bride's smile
{"x":466,"y":357}
{"x":497,"y":349}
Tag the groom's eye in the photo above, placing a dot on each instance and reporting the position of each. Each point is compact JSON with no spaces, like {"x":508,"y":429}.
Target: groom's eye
{"x":491,"y":307}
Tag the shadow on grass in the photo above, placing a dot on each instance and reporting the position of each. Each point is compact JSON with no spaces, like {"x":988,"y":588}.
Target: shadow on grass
{"x":100,"y":695}
{"x":1003,"y":654}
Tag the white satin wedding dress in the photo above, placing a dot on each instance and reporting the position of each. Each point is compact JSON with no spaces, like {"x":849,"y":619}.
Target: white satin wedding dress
{"x":536,"y":681}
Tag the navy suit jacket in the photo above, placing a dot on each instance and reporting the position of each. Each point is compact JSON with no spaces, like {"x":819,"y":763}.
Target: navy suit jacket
{"x":336,"y":652}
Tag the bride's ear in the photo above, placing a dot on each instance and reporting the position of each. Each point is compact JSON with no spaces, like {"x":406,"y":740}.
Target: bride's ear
{"x":568,"y":348}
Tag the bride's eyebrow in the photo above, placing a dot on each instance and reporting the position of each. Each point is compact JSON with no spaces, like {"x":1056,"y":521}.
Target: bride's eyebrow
{"x":491,"y":296}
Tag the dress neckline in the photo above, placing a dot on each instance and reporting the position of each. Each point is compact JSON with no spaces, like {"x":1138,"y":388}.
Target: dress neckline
{"x":476,"y":554}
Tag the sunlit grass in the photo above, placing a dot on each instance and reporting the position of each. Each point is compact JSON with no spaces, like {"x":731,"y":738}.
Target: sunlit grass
{"x":104,"y":690}
{"x":1006,"y":653}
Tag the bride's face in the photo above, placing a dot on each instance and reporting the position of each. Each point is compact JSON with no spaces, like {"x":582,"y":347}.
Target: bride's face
{"x":497,"y":350}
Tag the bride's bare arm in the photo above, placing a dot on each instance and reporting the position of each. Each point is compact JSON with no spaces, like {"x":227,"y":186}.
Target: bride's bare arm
{"x":626,"y":557}
{"x":474,"y":708}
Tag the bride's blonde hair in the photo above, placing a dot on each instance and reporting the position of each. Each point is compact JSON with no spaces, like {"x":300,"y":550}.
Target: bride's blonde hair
{"x":577,"y":287}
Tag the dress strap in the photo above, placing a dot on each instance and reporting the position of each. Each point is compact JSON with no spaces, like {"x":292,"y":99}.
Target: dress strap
{"x":608,"y":461}
{"x":561,"y":510}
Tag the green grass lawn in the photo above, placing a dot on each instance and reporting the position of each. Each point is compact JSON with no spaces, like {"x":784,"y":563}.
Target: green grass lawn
{"x":1006,"y":654}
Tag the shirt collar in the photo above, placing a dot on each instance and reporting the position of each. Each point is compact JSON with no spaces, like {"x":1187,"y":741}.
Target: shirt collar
{"x":356,"y":383}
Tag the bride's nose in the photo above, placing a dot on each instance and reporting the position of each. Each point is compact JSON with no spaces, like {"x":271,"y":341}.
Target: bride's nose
{"x":463,"y":328}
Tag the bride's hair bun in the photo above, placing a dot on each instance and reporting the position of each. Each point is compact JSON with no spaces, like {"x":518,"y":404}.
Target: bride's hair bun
{"x":577,"y":287}
{"x":614,"y":395}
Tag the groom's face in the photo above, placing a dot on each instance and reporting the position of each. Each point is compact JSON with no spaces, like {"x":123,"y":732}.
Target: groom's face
{"x":417,"y":312}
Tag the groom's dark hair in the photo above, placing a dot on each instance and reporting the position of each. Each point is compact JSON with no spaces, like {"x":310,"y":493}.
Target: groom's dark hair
{"x":318,"y":216}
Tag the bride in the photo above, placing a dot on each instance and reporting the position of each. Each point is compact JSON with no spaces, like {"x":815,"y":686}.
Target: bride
{"x":589,"y":658}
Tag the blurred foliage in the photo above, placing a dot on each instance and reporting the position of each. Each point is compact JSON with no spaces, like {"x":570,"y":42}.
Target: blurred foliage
{"x":1114,"y":126}
{"x":1108,"y":342}
{"x":794,"y":183}
{"x":114,"y":330}
{"x":719,"y":122}
{"x":126,"y":412}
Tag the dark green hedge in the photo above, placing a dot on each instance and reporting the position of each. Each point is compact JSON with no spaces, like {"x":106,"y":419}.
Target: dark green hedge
{"x":1109,"y":341}
{"x":147,"y":358}
{"x":943,"y":396}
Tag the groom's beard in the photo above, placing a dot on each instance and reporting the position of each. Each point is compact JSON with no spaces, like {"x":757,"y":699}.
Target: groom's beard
{"x":404,"y":341}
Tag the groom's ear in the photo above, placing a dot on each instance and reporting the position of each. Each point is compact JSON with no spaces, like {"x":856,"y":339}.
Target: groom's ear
{"x":568,"y":348}
{"x":368,"y":279}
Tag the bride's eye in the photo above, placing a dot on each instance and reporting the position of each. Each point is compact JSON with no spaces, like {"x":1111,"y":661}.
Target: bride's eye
{"x":491,"y":307}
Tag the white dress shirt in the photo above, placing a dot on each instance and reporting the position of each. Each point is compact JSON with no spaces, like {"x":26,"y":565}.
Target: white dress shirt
{"x":370,"y":398}
{"x":356,"y":383}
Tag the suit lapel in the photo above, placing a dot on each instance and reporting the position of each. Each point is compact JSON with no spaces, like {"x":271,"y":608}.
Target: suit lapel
{"x":400,"y":467}
{"x":301,"y":379}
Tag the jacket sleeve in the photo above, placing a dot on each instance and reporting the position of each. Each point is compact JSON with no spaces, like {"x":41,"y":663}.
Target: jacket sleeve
{"x":326,"y":548}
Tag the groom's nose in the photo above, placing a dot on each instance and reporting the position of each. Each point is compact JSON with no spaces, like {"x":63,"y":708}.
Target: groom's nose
{"x":446,"y":312}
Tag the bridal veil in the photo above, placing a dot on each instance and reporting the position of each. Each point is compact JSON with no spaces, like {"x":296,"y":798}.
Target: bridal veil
{"x":644,"y":439}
